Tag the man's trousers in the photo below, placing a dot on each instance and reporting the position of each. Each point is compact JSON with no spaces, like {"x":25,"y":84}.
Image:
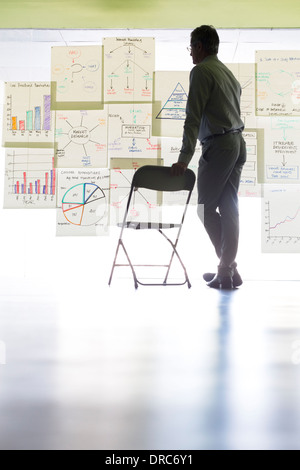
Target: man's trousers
{"x":219,"y":174}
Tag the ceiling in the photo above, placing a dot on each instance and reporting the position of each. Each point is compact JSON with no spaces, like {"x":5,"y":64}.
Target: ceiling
{"x":145,"y":14}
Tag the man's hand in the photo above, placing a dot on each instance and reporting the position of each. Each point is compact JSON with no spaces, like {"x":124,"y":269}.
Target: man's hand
{"x":178,"y":169}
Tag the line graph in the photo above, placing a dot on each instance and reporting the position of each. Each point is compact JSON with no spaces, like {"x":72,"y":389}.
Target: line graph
{"x":281,"y":220}
{"x":286,"y":220}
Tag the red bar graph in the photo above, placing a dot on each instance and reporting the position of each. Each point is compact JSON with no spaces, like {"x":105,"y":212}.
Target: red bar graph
{"x":32,"y":173}
{"x":26,"y":187}
{"x":53,"y":172}
{"x":46,"y":183}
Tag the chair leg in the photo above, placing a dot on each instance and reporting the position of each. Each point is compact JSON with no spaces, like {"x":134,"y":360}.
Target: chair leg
{"x":114,"y":264}
{"x":120,"y":243}
{"x":136,"y":285}
{"x":169,"y":267}
{"x":175,"y":252}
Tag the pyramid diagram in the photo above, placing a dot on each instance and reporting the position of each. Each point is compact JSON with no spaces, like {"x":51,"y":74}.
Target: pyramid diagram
{"x":174,"y":107}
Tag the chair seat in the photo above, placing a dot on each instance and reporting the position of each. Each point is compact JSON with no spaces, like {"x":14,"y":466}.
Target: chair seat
{"x":148,"y":225}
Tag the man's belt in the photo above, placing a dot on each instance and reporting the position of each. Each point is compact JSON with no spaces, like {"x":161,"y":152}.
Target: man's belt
{"x":213,"y":136}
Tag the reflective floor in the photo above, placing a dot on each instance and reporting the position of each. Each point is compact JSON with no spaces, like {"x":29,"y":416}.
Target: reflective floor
{"x":153,"y":369}
{"x":85,"y":366}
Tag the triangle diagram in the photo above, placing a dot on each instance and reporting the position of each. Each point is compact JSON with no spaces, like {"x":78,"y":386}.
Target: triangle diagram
{"x":174,"y":107}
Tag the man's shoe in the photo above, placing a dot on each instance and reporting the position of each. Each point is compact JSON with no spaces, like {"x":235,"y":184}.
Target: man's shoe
{"x":221,"y":282}
{"x":208,"y":276}
{"x":236,"y":278}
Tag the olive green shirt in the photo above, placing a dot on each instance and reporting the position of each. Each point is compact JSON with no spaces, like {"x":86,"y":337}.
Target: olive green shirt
{"x":213,"y":105}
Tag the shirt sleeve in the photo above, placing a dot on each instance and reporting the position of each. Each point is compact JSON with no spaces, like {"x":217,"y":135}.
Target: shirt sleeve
{"x":199,"y":92}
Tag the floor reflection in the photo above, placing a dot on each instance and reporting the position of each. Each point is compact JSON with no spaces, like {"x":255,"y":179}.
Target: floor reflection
{"x":156,"y":370}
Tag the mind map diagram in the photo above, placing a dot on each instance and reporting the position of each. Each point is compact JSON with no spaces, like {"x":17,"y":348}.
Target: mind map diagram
{"x":76,"y":76}
{"x":278,"y":83}
{"x":81,"y":139}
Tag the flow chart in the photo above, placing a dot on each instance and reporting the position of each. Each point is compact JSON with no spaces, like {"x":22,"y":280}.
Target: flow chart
{"x":129,"y":68}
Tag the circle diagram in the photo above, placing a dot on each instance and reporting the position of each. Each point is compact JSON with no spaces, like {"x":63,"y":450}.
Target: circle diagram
{"x":79,"y":135}
{"x":84,"y":204}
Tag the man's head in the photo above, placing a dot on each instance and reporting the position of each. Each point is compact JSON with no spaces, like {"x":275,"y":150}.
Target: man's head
{"x":204,"y":41}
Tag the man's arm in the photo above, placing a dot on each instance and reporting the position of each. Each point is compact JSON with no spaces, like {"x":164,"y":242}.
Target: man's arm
{"x":197,"y":99}
{"x":179,"y":168}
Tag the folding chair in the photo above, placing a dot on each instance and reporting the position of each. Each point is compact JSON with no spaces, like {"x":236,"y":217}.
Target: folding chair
{"x":156,"y":178}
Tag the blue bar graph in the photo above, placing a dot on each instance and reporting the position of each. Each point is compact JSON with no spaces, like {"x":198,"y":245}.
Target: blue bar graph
{"x":37,"y":118}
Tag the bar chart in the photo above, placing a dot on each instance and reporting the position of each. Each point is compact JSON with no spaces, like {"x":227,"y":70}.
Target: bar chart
{"x":33,"y":119}
{"x":28,"y":116}
{"x":30,"y":178}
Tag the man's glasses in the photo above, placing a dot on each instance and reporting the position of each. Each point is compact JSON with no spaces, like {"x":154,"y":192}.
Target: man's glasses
{"x":189,"y":48}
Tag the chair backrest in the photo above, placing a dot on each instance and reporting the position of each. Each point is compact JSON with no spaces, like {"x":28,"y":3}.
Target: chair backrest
{"x":159,"y":178}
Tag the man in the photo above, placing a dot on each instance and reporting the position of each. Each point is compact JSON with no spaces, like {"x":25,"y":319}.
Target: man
{"x":213,"y":116}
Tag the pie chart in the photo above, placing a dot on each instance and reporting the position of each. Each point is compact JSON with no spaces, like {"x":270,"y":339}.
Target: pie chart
{"x":84,"y":204}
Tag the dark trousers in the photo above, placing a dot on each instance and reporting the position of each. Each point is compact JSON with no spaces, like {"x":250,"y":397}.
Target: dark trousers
{"x":219,"y":176}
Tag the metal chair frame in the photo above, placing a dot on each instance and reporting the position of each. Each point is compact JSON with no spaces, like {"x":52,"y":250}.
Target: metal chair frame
{"x":174,"y":183}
